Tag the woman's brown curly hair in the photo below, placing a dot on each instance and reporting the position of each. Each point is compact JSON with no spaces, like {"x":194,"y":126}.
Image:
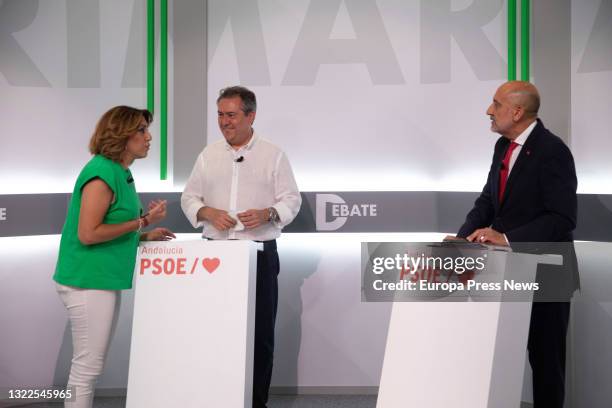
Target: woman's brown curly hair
{"x":115,"y":128}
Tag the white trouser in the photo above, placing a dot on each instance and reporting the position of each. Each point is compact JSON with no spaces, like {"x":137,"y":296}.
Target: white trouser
{"x":93,"y":317}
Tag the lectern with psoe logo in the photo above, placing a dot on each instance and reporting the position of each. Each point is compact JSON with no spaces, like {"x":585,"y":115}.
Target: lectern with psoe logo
{"x":194,"y":317}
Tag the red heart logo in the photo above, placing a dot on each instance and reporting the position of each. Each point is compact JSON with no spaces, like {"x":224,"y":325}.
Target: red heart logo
{"x":211,"y":264}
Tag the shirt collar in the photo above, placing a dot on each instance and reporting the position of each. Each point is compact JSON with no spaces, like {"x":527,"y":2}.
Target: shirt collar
{"x":247,"y":146}
{"x":522,"y":138}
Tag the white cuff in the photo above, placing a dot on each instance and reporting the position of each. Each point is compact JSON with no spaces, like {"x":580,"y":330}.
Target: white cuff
{"x":192,"y":215}
{"x":284,"y":213}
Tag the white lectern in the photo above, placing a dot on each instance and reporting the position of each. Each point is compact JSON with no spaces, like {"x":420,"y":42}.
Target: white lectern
{"x":192,"y":338}
{"x":461,"y":354}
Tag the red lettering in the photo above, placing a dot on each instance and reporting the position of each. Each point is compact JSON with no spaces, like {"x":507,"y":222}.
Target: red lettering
{"x":180,"y":266}
{"x":404,"y":272}
{"x":157,"y":269}
{"x":169,"y":266}
{"x":144,"y":264}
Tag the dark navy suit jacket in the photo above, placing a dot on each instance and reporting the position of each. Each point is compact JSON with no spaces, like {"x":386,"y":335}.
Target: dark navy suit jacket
{"x":539,"y":203}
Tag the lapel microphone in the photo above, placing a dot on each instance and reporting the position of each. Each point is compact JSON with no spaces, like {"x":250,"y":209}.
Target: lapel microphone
{"x":240,"y":159}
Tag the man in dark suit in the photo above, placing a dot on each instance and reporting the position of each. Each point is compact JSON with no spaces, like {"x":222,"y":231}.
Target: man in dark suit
{"x":530,"y":197}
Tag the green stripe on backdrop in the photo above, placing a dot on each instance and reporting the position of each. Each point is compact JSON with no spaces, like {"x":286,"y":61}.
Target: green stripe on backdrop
{"x":525,"y":51}
{"x":163,"y":92}
{"x":150,"y":55}
{"x":511,"y":40}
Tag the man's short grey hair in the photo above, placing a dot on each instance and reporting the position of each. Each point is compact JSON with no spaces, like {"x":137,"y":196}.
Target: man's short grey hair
{"x":249,"y":102}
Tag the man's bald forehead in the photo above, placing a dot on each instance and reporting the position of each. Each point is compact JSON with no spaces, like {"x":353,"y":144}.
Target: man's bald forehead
{"x":523,"y":94}
{"x":519,"y":86}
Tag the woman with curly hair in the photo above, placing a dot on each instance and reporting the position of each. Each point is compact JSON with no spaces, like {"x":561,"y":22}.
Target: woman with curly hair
{"x":99,"y":241}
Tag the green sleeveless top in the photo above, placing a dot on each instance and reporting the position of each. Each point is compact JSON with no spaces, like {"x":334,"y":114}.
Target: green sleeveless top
{"x":107,"y":265}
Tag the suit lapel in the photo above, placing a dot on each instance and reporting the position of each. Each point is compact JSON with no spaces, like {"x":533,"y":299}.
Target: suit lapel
{"x":524,"y":156}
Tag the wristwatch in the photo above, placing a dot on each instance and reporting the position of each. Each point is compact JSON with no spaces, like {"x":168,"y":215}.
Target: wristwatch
{"x":273,"y":216}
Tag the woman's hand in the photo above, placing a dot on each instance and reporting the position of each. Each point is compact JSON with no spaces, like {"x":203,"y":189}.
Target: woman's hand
{"x":158,"y":234}
{"x":154,"y":203}
{"x":157,"y":211}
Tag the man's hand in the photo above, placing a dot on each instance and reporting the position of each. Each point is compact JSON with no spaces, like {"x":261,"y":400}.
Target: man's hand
{"x":254,"y":218}
{"x":220,"y":219}
{"x":487,"y":236}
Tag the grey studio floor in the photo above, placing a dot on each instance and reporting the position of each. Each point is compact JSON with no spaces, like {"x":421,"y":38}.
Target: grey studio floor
{"x":276,"y":401}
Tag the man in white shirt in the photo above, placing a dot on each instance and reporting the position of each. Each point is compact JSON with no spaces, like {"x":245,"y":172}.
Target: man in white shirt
{"x":242,"y":187}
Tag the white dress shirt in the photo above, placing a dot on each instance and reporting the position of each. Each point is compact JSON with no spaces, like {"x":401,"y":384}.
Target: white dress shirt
{"x":520,"y":141}
{"x":262,"y":179}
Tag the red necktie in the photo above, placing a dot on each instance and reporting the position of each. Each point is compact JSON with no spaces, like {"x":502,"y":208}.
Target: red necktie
{"x":505,"y":169}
